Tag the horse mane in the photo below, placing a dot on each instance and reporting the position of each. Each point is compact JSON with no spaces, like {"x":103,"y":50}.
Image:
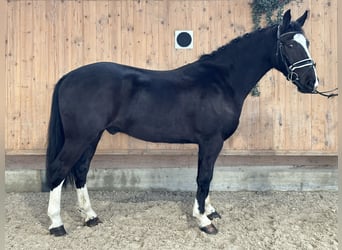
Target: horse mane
{"x":293,"y":26}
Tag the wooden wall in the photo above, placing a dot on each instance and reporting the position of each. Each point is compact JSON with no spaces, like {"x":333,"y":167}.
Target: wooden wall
{"x":47,"y":38}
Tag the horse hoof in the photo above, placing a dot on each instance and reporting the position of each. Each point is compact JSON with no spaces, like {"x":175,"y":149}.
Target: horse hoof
{"x":210,"y":229}
{"x":58,"y":231}
{"x":93,"y":222}
{"x":214,"y":215}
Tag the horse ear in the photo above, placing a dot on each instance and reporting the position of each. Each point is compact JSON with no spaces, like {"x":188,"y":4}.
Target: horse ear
{"x":302,"y":19}
{"x":286,"y":18}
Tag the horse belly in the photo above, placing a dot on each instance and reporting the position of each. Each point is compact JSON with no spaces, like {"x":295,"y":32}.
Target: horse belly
{"x":159,"y":128}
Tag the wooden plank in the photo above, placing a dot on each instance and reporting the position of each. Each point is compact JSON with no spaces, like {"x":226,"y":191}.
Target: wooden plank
{"x":165,"y":31}
{"x":75,"y":35}
{"x":330,"y":77}
{"x":4,"y":16}
{"x":152,"y":35}
{"x":318,"y":50}
{"x":13,"y":97}
{"x":39,"y":75}
{"x":63,"y":34}
{"x":127,"y":31}
{"x":25,"y":63}
{"x":103,"y":51}
{"x":115,"y":17}
{"x":89,"y":32}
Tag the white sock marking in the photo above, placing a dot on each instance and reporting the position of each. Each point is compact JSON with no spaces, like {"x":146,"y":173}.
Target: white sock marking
{"x":54,"y":208}
{"x":84,"y":203}
{"x":209,"y":209}
{"x":203,"y":220}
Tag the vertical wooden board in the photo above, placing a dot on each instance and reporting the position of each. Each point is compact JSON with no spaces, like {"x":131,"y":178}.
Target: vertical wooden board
{"x":214,"y":11}
{"x":200,"y":25}
{"x":178,"y":21}
{"x":25,"y":64}
{"x":317,"y":51}
{"x":227,"y":24}
{"x":151,"y":31}
{"x":13,"y":97}
{"x":115,"y":17}
{"x":139,"y":34}
{"x":330,"y":77}
{"x":63,"y":34}
{"x":166,"y":35}
{"x":191,"y":10}
{"x":266,"y":100}
{"x":50,"y":27}
{"x":291,"y":121}
{"x":103,"y":51}
{"x":89,"y":32}
{"x":40,"y":75}
{"x":127,"y":30}
{"x":76,"y":34}
{"x":279,"y":115}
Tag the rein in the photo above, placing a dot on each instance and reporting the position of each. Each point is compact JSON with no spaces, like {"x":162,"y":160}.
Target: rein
{"x":326,"y":93}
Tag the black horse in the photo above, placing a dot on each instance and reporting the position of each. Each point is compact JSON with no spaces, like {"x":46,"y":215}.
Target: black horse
{"x":198,"y":103}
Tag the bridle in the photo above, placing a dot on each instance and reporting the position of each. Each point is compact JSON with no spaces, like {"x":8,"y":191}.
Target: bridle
{"x":308,"y":62}
{"x":291,"y":74}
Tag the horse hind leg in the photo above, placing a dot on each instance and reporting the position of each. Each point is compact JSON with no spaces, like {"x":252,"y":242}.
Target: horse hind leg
{"x":59,"y":170}
{"x":54,"y":211}
{"x":80,"y":172}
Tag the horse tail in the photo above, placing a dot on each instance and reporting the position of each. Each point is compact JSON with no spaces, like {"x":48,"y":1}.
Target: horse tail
{"x":55,"y":138}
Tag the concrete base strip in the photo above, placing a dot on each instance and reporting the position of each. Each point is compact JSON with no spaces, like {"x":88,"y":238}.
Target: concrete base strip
{"x":256,"y":178}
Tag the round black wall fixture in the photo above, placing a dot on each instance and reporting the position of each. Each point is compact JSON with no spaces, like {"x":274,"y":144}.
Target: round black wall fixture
{"x":183,"y":39}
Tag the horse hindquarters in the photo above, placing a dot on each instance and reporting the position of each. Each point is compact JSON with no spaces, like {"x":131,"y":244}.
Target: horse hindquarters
{"x":69,"y":153}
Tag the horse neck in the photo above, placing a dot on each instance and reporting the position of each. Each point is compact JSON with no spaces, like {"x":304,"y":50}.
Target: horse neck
{"x":245,"y":61}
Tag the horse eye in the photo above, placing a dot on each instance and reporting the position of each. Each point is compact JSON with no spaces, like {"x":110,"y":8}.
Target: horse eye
{"x":290,"y":45}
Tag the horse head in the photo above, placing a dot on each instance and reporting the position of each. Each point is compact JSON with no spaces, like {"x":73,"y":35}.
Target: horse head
{"x":293,"y":56}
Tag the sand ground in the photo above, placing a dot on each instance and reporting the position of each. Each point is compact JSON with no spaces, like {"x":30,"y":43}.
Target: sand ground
{"x":163,"y":220}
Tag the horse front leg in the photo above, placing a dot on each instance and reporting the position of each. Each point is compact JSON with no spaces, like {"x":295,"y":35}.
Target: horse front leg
{"x":203,"y":210}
